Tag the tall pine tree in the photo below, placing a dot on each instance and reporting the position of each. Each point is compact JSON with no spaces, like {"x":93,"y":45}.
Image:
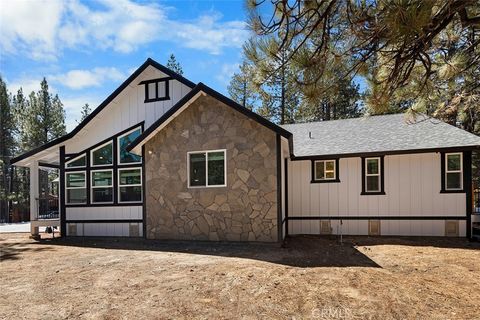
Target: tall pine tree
{"x":174,"y":65}
{"x":7,"y":148}
{"x":241,"y":88}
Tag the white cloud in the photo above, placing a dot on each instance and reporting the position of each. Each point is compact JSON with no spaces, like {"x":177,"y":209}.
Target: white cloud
{"x":73,"y":108}
{"x":42,"y":29}
{"x":79,"y":79}
{"x":227,"y":72}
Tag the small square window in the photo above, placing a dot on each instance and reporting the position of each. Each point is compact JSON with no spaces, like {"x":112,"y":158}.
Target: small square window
{"x":325,"y":170}
{"x":372,"y":176}
{"x":207,"y":168}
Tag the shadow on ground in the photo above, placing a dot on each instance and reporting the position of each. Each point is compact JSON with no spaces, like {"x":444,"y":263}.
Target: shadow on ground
{"x":14,"y":250}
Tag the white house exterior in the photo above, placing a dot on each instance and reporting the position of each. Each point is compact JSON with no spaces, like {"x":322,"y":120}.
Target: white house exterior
{"x":166,"y":158}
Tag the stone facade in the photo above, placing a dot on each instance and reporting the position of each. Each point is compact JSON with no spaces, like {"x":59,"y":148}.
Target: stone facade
{"x":244,"y":210}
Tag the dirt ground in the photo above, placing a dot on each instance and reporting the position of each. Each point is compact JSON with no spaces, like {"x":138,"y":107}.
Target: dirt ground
{"x":311,"y":278}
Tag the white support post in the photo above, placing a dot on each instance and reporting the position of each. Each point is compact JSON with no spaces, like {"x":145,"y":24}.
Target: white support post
{"x":34,"y":195}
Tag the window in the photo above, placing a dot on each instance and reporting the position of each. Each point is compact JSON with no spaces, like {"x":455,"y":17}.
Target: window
{"x":130,"y":185}
{"x":453,"y":171}
{"x":76,"y":191}
{"x":156,"y":89}
{"x":123,"y":142}
{"x":372,"y":180}
{"x":325,"y":171}
{"x":207,"y":168}
{"x":101,"y":186}
{"x":78,"y":162}
{"x":102,"y":155}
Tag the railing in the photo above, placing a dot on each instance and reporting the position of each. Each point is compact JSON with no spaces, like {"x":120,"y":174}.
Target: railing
{"x":48,"y":208}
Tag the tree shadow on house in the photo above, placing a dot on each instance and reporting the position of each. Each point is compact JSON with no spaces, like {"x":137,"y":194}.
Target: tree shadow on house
{"x":302,"y":252}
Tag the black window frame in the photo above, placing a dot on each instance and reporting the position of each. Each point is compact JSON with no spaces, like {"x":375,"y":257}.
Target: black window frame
{"x":463,"y":175}
{"x":382,"y":177}
{"x":337,"y":171}
{"x":166,"y":96}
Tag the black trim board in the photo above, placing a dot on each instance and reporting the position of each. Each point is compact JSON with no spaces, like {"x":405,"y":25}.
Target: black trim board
{"x":133,"y":76}
{"x":61,"y":192}
{"x":467,"y":185}
{"x":337,"y":171}
{"x":377,"y":218}
{"x":286,"y":197}
{"x":381,"y":153}
{"x":442,"y":172}
{"x":48,"y":165}
{"x":214,"y":94}
{"x":106,"y":221}
{"x":279,"y":188}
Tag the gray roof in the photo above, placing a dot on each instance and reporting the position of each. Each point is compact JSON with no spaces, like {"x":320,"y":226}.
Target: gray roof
{"x":370,"y":134}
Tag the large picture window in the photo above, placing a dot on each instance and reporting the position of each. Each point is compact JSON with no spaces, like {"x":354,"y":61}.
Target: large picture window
{"x":75,"y":185}
{"x":453,"y":171}
{"x":101,"y":186}
{"x":102,"y":155}
{"x":207,"y":168}
{"x":130,"y":185}
{"x":123,"y":142}
{"x":78,"y":162}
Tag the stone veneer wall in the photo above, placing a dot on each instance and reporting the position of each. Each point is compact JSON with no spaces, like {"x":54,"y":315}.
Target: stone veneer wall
{"x":245,"y":210}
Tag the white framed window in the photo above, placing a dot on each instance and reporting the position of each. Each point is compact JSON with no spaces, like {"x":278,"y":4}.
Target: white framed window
{"x":77,"y":162}
{"x":102,"y":155}
{"x":325,"y":170}
{"x":454,"y":171}
{"x":101,"y":186}
{"x":75,"y":187}
{"x":130,"y":185}
{"x":123,"y":141}
{"x":207,"y":168}
{"x":372,"y":175}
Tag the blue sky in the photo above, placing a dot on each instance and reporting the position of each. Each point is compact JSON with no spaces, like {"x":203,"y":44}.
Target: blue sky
{"x":85,"y":49}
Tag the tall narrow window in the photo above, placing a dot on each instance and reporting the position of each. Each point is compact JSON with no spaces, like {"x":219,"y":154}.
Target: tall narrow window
{"x":372,"y":176}
{"x":325,"y":171}
{"x":123,"y":142}
{"x":102,"y":155}
{"x":130,"y":185}
{"x":207,"y":168}
{"x":78,"y":162}
{"x":453,"y":171}
{"x":101,"y":186}
{"x":75,"y":187}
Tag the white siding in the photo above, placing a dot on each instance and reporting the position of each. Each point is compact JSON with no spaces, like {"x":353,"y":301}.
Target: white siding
{"x":119,"y":229}
{"x":104,"y":213}
{"x":126,"y":110}
{"x":412,"y":187}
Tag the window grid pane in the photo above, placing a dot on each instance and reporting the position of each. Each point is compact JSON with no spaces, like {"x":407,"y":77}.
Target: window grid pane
{"x":216,"y":168}
{"x":75,"y":180}
{"x":101,"y":179}
{"x":325,"y":170}
{"x":103,"y":155}
{"x":198,"y":171}
{"x":123,"y":142}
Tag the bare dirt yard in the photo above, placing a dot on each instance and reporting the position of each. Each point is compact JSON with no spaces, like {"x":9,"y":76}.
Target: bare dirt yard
{"x":311,"y":278}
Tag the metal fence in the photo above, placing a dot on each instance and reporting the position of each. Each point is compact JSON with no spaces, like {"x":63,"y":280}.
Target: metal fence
{"x":48,"y":208}
{"x":476,"y":200}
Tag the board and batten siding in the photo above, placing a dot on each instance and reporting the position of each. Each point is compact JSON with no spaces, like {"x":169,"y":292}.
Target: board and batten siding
{"x":412,"y":187}
{"x":125,"y":111}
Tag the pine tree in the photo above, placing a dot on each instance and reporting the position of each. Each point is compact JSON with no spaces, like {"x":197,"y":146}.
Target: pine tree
{"x":174,"y":65}
{"x":7,"y":148}
{"x":241,"y":88}
{"x":85,"y":112}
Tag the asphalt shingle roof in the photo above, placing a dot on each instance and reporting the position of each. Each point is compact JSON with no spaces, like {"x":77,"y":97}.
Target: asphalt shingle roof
{"x":376,"y":134}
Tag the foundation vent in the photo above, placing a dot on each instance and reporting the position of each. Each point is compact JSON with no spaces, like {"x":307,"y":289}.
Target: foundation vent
{"x":134,"y":230}
{"x":325,"y":227}
{"x":451,"y":228}
{"x":374,"y":227}
{"x":72,"y":229}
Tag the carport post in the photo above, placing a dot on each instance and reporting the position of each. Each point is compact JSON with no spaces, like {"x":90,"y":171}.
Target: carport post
{"x":34,"y":195}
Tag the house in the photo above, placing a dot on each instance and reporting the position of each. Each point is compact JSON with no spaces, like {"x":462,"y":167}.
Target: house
{"x":165,"y":158}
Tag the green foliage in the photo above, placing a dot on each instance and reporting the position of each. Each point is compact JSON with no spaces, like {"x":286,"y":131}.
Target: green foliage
{"x":241,"y":88}
{"x":174,"y":65}
{"x":86,"y":110}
